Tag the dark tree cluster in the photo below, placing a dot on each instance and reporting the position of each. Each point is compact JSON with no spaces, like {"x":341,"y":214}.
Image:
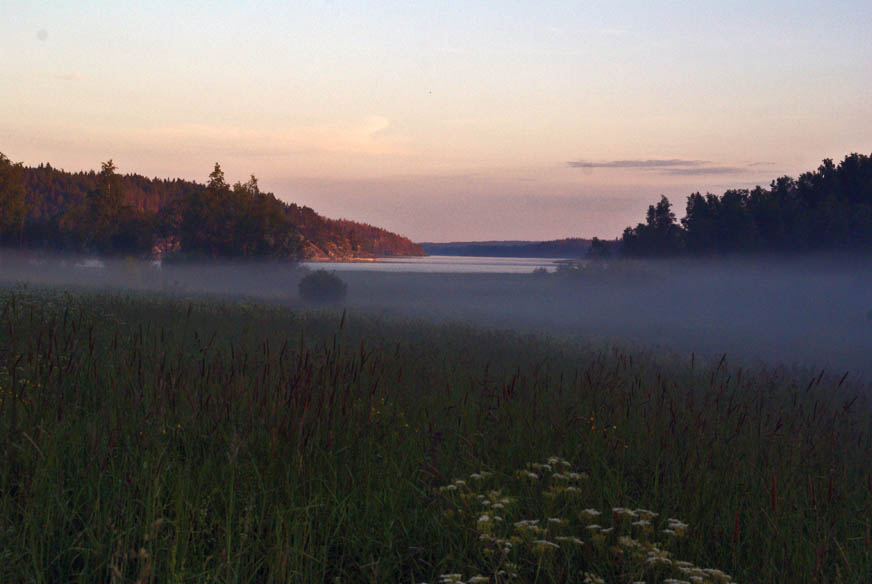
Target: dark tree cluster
{"x":601,"y":249}
{"x":111,"y":214}
{"x":224,"y":221}
{"x":828,"y":209}
{"x":102,"y":221}
{"x":13,"y":203}
{"x":52,"y":191}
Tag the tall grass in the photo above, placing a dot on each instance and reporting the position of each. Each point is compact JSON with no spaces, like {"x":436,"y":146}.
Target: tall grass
{"x":150,"y":439}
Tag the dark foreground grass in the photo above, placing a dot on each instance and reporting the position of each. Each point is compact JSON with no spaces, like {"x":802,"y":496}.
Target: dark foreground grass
{"x":145,"y":439}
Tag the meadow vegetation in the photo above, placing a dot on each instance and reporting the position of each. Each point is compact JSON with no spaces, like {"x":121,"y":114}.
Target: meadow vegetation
{"x":147,"y":438}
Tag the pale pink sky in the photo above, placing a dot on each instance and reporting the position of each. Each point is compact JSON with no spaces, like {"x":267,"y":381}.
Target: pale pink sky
{"x":493,"y":120}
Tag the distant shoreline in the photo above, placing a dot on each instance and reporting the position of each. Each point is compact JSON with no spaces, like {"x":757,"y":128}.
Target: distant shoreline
{"x":560,"y":248}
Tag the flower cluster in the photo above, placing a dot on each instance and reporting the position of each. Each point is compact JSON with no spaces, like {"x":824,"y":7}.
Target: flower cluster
{"x":533,"y":521}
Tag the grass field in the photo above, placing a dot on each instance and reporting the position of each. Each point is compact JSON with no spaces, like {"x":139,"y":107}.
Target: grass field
{"x":151,"y":439}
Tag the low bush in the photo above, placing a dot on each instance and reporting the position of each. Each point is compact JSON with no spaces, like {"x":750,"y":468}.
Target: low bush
{"x":323,"y":287}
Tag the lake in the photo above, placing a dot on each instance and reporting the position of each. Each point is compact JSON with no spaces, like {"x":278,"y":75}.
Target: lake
{"x":443,"y":264}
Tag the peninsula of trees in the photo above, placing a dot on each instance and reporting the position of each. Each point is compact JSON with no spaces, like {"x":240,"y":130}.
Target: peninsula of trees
{"x":111,"y":214}
{"x":829,"y":209}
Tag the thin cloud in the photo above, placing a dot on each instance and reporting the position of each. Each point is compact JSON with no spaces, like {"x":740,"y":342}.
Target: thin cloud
{"x":650,"y":163}
{"x":668,"y":166}
{"x":703,"y":170}
{"x":614,"y":31}
{"x":367,"y":136}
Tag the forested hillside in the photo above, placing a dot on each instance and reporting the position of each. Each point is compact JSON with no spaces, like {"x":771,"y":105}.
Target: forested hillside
{"x":827,"y":209}
{"x":109,"y":213}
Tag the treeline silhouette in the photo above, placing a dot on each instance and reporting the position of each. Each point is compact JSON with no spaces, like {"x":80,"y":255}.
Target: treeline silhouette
{"x":111,"y":214}
{"x":827,"y":209}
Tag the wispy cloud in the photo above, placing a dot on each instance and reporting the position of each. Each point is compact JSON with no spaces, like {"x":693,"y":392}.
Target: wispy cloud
{"x":669,"y":166}
{"x":703,"y":170}
{"x":648,"y":163}
{"x":367,"y":136}
{"x":614,"y":31}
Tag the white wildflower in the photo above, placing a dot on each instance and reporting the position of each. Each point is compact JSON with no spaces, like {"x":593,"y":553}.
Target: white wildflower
{"x":544,"y":543}
{"x":624,"y":512}
{"x":646,"y":514}
{"x":677,"y":526}
{"x":590,"y":513}
{"x":628,"y":542}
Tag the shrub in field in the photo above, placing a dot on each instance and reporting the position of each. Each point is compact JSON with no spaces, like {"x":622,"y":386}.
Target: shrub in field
{"x":323,"y":287}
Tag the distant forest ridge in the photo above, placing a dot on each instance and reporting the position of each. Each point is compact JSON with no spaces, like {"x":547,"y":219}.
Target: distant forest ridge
{"x":559,"y":248}
{"x":112,"y":214}
{"x":828,"y":209}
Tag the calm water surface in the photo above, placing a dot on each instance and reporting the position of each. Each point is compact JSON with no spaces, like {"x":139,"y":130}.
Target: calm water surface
{"x":443,"y":264}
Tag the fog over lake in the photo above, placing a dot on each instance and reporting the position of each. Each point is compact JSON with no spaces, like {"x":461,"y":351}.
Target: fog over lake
{"x":443,"y":265}
{"x":809,"y":312}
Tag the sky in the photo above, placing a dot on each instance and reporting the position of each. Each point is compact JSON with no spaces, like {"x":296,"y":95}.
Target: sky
{"x":443,"y":121}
